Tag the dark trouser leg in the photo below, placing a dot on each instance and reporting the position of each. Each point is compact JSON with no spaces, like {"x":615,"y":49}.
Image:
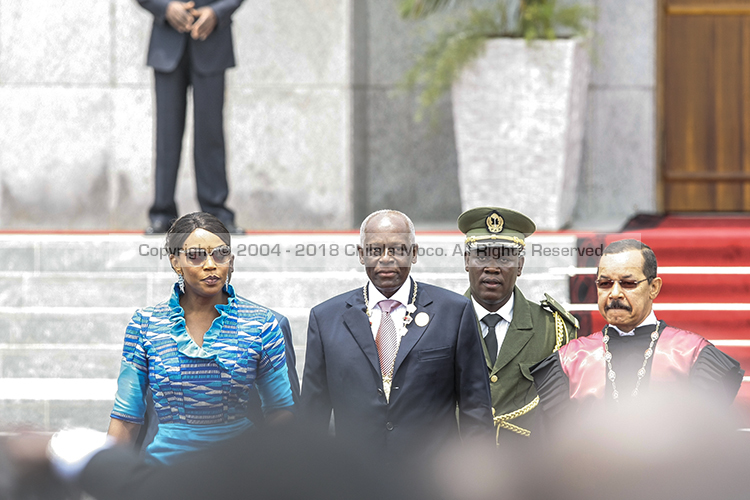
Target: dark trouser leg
{"x":171,"y":103}
{"x":209,"y":154}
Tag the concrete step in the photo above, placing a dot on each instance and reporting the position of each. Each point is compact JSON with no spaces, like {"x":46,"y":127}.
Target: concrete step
{"x":63,"y":325}
{"x":66,"y":300}
{"x":52,"y":414}
{"x":85,"y":320}
{"x":60,"y":361}
{"x":273,"y":289}
{"x":86,"y":341}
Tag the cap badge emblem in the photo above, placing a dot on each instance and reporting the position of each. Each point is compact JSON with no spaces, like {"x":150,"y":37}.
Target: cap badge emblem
{"x":494,"y":223}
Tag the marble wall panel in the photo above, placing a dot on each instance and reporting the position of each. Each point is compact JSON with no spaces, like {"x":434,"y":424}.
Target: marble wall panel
{"x":411,"y":167}
{"x":288,"y":156}
{"x":75,"y":92}
{"x":132,"y":28}
{"x":63,"y":42}
{"x":619,"y":178}
{"x":54,"y":157}
{"x":299,"y":42}
{"x":394,"y":43}
{"x":131,"y":171}
{"x":624,"y":47}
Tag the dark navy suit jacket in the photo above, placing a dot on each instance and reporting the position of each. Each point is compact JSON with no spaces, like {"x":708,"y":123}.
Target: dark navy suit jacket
{"x":212,"y":55}
{"x":439,"y":365}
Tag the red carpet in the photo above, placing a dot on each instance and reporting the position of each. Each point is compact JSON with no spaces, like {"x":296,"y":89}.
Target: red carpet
{"x":695,"y":297}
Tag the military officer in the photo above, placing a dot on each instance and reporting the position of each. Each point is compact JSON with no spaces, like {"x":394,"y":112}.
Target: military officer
{"x":516,"y":332}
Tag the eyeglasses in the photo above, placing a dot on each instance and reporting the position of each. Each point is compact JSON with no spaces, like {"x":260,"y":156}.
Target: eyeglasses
{"x":197,"y":256}
{"x":606,"y":284}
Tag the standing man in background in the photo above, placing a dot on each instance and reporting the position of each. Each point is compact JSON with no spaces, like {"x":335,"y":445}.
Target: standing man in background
{"x":516,"y":332}
{"x":190,"y":46}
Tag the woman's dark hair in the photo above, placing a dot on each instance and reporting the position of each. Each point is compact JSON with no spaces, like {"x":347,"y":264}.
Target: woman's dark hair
{"x":185,"y":225}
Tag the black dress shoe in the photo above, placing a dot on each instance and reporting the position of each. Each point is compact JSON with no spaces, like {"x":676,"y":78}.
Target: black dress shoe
{"x":157,"y":227}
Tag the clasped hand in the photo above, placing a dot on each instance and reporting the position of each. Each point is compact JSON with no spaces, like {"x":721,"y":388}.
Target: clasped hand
{"x":185,"y":18}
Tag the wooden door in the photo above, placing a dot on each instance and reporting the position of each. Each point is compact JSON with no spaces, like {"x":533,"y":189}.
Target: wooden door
{"x":705,"y":104}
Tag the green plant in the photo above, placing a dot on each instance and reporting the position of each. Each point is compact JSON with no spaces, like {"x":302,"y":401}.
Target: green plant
{"x":460,"y":43}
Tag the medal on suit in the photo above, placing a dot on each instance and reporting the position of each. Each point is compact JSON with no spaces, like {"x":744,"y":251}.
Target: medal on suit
{"x":410,"y":308}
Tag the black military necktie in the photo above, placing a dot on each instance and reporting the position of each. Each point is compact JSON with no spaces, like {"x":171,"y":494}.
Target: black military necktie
{"x":491,"y":339}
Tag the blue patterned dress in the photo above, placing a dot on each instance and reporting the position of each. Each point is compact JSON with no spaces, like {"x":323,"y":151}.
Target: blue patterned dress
{"x":200,"y":393}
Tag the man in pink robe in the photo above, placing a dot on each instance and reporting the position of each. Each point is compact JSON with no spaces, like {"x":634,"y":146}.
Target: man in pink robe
{"x":635,"y":353}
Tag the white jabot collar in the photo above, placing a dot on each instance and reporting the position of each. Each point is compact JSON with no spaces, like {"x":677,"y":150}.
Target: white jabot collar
{"x":650,"y":320}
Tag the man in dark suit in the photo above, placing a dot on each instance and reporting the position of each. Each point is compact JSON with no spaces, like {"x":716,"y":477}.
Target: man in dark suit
{"x":393,"y":359}
{"x":191,"y":45}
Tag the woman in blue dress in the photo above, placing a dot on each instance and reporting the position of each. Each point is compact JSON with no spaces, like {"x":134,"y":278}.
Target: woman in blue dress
{"x":200,"y":352}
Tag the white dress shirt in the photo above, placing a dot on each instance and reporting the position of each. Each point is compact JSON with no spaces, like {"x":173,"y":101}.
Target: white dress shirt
{"x":501,"y":329}
{"x":402,"y":295}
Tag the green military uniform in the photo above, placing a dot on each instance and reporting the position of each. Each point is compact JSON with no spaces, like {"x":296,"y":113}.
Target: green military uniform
{"x":536,"y":330}
{"x":531,"y":337}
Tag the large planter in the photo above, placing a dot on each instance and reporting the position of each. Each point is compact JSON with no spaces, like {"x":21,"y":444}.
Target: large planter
{"x":519,"y":114}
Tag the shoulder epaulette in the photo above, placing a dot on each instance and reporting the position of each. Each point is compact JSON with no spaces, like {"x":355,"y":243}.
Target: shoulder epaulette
{"x":553,"y":305}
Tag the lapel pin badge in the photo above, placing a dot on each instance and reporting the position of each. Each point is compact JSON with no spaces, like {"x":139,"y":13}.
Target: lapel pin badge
{"x":422,"y":319}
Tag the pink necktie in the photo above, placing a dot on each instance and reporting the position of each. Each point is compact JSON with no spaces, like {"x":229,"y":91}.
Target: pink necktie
{"x":386,"y":340}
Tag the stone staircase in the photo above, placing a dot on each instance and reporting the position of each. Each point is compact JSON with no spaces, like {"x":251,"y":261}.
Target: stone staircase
{"x":65,"y":300}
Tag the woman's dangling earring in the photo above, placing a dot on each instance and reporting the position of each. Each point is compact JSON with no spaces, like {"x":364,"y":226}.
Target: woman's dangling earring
{"x":181,"y":282}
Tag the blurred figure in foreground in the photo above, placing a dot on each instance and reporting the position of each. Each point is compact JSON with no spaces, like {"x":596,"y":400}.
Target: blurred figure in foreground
{"x":662,"y":449}
{"x":666,"y":448}
{"x":278,"y":464}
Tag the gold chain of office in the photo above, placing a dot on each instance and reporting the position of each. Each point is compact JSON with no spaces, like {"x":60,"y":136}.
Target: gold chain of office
{"x":502,"y":421}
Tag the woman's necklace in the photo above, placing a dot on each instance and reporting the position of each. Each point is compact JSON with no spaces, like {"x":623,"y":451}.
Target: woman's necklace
{"x":611,"y":375}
